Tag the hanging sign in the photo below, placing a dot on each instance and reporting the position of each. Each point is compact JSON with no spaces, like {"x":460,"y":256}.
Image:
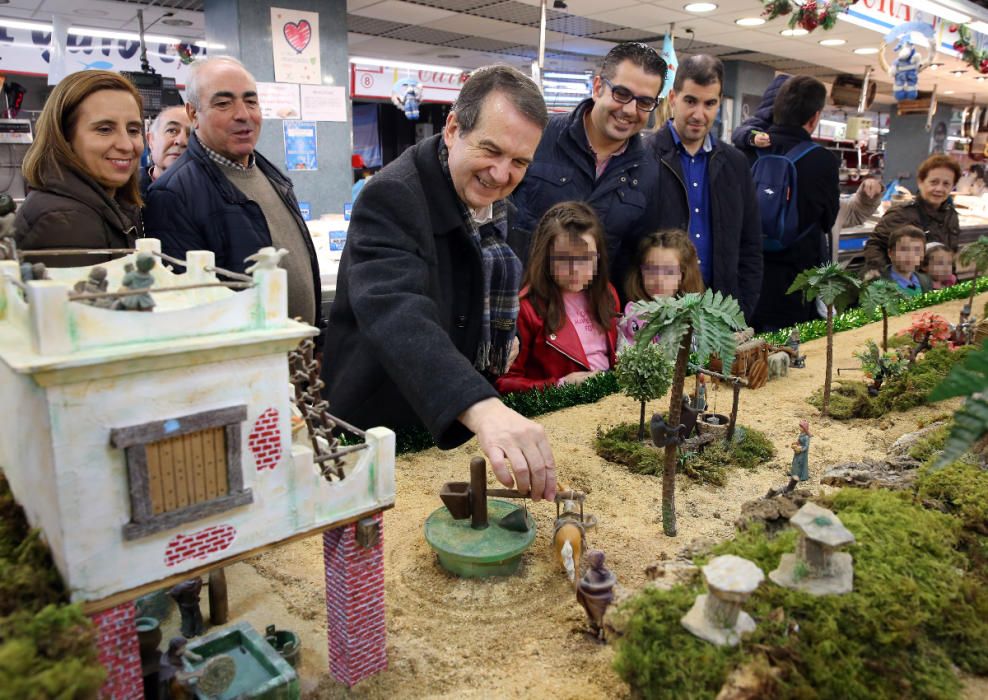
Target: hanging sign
{"x":377,"y":82}
{"x":279,"y":101}
{"x":295,"y":43}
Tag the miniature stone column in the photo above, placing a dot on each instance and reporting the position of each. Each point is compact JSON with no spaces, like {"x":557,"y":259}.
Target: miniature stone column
{"x":272,"y":286}
{"x":355,"y":603}
{"x":147,"y":245}
{"x":119,"y":652}
{"x":48,"y":304}
{"x":817,"y":567}
{"x":717,"y":616}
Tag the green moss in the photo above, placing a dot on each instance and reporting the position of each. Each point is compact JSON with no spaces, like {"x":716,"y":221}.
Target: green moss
{"x":47,"y":648}
{"x":620,"y":444}
{"x":931,"y":444}
{"x":850,"y":399}
{"x":917,"y":608}
{"x":961,"y":488}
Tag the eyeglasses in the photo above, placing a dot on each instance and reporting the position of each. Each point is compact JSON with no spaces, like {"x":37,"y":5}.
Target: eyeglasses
{"x":623,"y":95}
{"x":567,"y":261}
{"x":661,"y":270}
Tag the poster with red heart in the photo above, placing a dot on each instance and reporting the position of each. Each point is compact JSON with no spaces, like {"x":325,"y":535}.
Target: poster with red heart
{"x":295,"y":42}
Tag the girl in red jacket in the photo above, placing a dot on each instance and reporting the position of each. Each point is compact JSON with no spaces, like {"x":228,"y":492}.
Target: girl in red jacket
{"x":567,"y":320}
{"x":666,"y":265}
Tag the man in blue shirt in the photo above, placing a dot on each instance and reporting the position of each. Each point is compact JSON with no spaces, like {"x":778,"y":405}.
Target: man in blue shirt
{"x":594,"y":154}
{"x":705,"y":186}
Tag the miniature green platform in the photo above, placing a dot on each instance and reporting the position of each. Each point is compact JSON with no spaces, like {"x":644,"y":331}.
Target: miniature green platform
{"x":261,"y":672}
{"x":471,"y":553}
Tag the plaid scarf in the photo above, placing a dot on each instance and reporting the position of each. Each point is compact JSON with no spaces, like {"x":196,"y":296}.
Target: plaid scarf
{"x":502,"y":278}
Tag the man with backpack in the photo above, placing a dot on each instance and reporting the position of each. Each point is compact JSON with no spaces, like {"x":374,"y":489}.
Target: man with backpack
{"x":705,"y":186}
{"x":799,"y":196}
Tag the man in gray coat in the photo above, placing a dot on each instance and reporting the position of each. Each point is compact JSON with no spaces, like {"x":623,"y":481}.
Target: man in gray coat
{"x":427,"y":296}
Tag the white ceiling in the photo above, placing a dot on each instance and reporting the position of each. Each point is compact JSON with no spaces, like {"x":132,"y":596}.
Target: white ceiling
{"x":487,"y":31}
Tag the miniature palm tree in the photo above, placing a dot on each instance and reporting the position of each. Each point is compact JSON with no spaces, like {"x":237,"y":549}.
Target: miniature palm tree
{"x":643,"y":372}
{"x":885,"y":296}
{"x":969,"y":378}
{"x":704,"y":322}
{"x":976,"y":254}
{"x":837,"y":289}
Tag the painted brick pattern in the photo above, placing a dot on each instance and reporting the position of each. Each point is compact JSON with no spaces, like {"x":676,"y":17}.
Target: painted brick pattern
{"x":199,"y":545}
{"x":354,"y":604}
{"x":119,"y":652}
{"x":265,"y":440}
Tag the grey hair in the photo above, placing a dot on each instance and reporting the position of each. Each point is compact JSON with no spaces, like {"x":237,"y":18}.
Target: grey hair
{"x":192,"y":84}
{"x":511,"y":82}
{"x":156,"y":122}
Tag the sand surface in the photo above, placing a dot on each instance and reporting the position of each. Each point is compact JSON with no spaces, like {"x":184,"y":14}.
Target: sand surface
{"x":523,"y":636}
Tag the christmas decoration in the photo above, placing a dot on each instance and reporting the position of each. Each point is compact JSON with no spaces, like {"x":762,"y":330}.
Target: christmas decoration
{"x":909,"y":62}
{"x":970,"y":53}
{"x":808,"y":15}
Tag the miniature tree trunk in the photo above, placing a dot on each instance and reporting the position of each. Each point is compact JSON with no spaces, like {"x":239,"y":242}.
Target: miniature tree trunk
{"x":641,"y":424}
{"x":830,"y":360}
{"x":885,"y":330}
{"x":675,"y":413}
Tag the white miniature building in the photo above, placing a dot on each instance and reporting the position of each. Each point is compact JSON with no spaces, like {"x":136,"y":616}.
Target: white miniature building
{"x":149,"y":447}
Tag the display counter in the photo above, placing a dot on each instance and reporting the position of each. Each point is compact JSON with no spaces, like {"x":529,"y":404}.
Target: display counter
{"x":973,"y":213}
{"x":329,"y":236}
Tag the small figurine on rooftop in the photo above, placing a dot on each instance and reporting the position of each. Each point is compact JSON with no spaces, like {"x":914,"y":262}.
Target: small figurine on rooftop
{"x":139,"y":280}
{"x":96,"y":283}
{"x":800,"y":470}
{"x":596,"y":591}
{"x":33,"y":271}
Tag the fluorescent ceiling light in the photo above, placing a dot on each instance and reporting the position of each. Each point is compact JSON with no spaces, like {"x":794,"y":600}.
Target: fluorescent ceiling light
{"x":957,"y":72}
{"x":30,"y":26}
{"x":833,"y":42}
{"x":798,"y":31}
{"x":831,"y":122}
{"x":567,"y":76}
{"x":934,"y":66}
{"x":124,"y":36}
{"x":935,"y":8}
{"x":866,"y":50}
{"x":948,"y":92}
{"x":386,"y":63}
{"x":699,"y":7}
{"x":210,"y":45}
{"x":750,"y":21}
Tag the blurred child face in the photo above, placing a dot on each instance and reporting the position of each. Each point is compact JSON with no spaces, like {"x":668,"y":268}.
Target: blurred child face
{"x":573,"y":263}
{"x":907,"y":255}
{"x":661,"y":272}
{"x":940,"y":264}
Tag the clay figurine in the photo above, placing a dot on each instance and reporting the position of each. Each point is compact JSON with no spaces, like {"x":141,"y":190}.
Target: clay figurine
{"x":33,"y":271}
{"x":172,"y":679}
{"x":701,"y":394}
{"x":800,"y":470}
{"x":664,"y":434}
{"x":96,"y":283}
{"x":266,"y":258}
{"x":139,"y":280}
{"x":186,"y":595}
{"x":595,"y":592}
{"x":798,"y":361}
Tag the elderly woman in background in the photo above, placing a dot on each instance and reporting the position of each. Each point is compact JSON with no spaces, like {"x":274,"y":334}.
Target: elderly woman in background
{"x":932,"y":211}
{"x":82,"y":170}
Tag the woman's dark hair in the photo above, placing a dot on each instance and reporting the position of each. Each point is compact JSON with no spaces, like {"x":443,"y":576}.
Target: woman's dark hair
{"x":571,"y":220}
{"x":52,"y":150}
{"x":671,"y":239}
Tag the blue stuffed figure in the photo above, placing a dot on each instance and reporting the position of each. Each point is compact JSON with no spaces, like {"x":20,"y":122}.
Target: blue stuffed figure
{"x":905,"y":70}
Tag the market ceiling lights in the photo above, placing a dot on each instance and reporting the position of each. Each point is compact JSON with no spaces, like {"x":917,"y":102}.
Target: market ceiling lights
{"x":700,"y":7}
{"x":833,"y":42}
{"x":798,"y":31}
{"x":87,"y":31}
{"x":866,"y":50}
{"x":750,"y":21}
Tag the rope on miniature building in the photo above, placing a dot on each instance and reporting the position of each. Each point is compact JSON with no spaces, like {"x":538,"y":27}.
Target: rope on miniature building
{"x":78,"y":251}
{"x":169,"y":259}
{"x":228,"y":273}
{"x":336,"y":454}
{"x":79,"y":296}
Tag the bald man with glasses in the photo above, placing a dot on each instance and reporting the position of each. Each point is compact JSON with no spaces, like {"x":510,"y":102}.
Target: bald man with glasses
{"x":595,"y":154}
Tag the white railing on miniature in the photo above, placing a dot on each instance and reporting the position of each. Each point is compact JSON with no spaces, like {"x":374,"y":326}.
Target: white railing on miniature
{"x":200,"y":305}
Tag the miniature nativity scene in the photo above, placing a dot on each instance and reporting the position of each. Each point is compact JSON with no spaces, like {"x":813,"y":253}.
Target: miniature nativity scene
{"x":710,"y":536}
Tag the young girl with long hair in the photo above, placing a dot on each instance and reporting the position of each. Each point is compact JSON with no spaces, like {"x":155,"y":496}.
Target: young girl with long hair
{"x":567,"y":320}
{"x":666,"y":265}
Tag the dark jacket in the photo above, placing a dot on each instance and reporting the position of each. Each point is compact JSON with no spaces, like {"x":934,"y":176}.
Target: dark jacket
{"x":544,"y":358}
{"x":404,"y":327}
{"x":925,"y":283}
{"x":74,"y":211}
{"x":564,"y":170}
{"x":743,"y":136}
{"x":941,"y":226}
{"x":818,"y":201}
{"x":734,"y":220}
{"x":194,"y":206}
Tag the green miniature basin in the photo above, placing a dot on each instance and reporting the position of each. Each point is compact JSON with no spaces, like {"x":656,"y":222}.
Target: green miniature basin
{"x":470,"y":553}
{"x":261,"y":674}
